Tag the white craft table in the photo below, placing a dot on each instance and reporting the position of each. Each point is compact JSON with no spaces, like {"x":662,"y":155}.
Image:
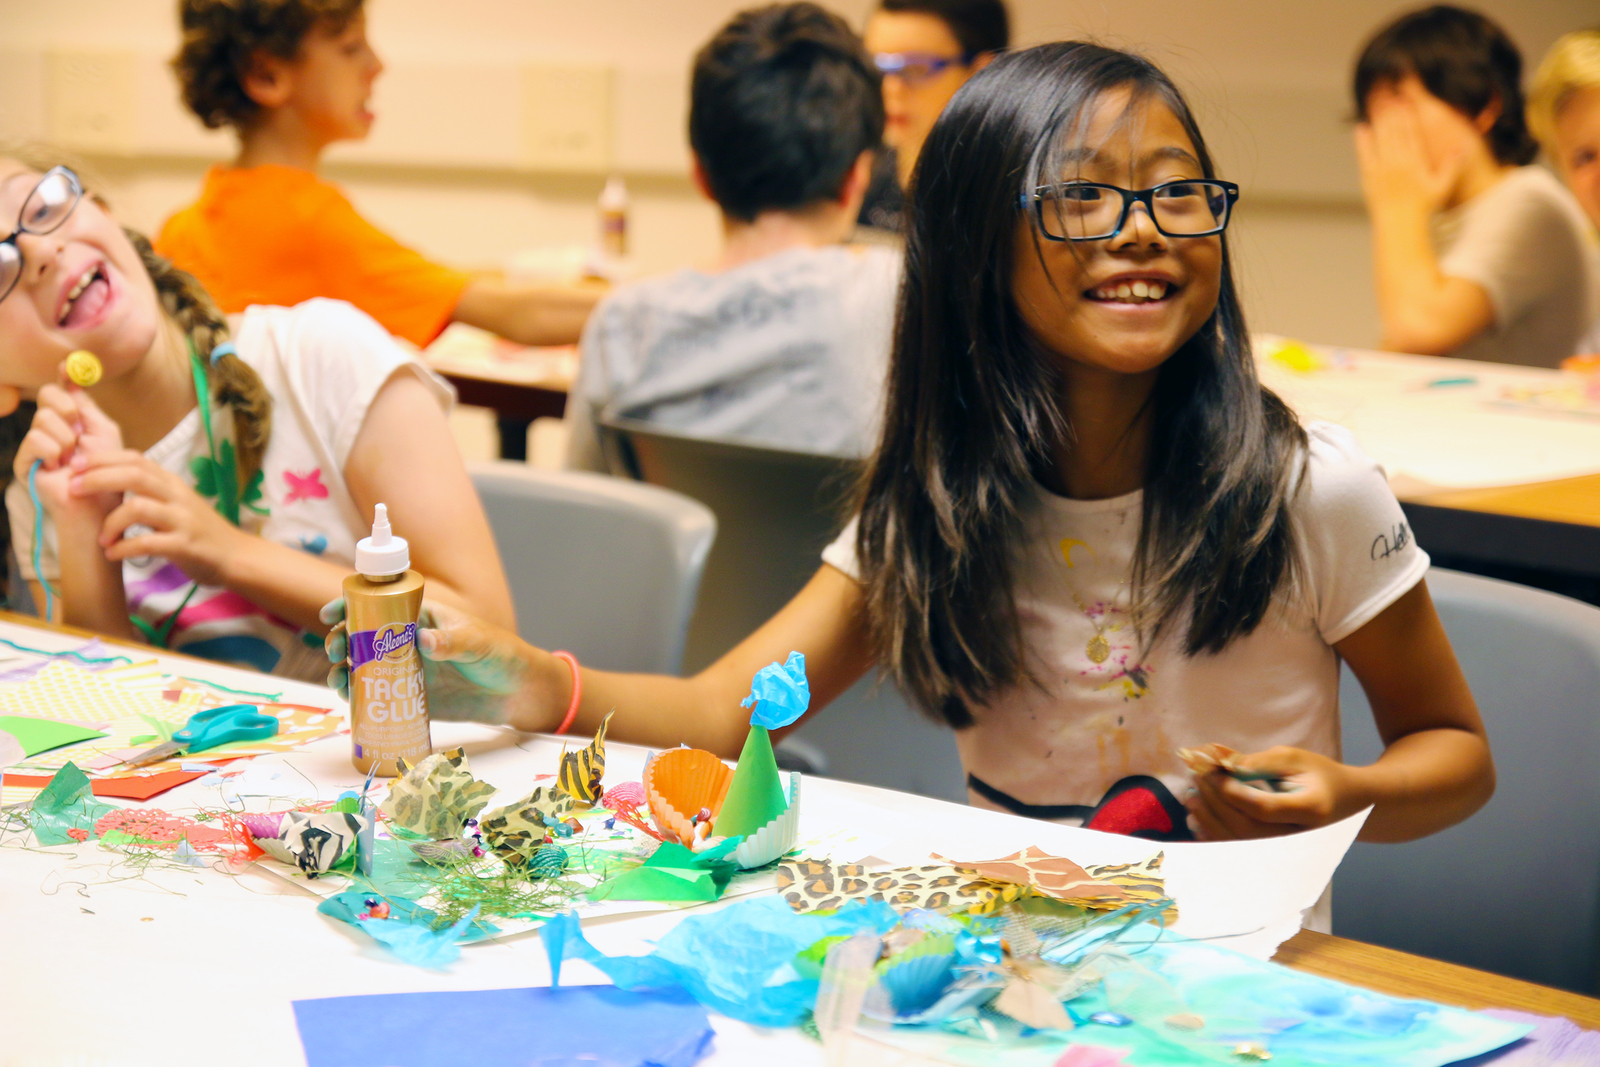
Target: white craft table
{"x":197,"y":966}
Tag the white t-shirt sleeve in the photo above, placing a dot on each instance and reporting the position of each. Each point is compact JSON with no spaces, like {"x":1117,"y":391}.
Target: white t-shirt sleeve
{"x":336,"y":359}
{"x":841,"y":554}
{"x":1506,"y":246}
{"x":1356,"y":544}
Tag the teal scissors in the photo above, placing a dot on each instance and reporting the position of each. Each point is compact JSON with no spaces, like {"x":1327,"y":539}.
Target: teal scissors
{"x":210,"y":728}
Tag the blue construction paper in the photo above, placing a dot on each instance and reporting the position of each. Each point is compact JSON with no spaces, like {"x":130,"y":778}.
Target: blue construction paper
{"x":779,"y":693}
{"x":737,"y":961}
{"x":596,"y":1026}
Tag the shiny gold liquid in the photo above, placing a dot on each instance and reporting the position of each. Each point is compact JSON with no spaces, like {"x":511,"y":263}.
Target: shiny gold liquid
{"x":388,"y":702}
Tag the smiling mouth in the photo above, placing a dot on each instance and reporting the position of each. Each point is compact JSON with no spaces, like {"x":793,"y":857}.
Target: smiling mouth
{"x":1137,"y":291}
{"x":89,"y":294}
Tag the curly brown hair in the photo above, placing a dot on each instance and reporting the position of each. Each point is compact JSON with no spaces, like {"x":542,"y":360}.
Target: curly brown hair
{"x":222,"y":37}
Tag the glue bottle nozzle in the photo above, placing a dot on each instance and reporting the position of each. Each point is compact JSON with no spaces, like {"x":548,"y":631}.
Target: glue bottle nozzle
{"x":382,"y":554}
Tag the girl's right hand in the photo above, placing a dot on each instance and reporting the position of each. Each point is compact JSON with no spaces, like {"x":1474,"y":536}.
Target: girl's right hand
{"x":474,"y":672}
{"x":67,"y":427}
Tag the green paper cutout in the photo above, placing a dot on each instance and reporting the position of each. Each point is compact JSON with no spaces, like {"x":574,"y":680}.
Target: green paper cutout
{"x":673,"y":873}
{"x":65,"y":804}
{"x":41,"y":735}
{"x":755,"y":796}
{"x":164,"y":730}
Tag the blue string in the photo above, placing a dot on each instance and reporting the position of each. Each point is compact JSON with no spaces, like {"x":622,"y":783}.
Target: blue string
{"x":70,"y":653}
{"x":38,"y":542}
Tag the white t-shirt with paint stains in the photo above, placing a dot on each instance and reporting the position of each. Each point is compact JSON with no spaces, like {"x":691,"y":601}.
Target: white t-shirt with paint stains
{"x":324,"y":362}
{"x":1060,"y":747}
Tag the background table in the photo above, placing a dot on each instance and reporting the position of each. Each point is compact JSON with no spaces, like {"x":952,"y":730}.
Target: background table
{"x":195,"y":966}
{"x":519,"y":383}
{"x":1505,"y":491}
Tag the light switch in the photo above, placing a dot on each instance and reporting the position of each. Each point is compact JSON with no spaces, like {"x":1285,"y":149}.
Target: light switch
{"x":92,"y":100}
{"x":566,"y":117}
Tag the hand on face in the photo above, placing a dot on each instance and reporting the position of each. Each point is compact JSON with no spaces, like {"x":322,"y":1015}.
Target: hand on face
{"x":1413,"y":148}
{"x":1317,"y":791}
{"x":67,"y":430}
{"x":182,"y":526}
{"x":474,"y":672}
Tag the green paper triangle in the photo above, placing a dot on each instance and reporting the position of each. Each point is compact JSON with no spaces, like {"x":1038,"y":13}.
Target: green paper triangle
{"x":755,"y":796}
{"x":41,"y":735}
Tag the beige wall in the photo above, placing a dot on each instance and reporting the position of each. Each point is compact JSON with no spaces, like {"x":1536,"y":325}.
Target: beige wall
{"x":477,"y":154}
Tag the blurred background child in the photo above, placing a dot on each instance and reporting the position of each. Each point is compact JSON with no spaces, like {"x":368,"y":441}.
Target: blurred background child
{"x":292,"y":77}
{"x":1477,"y":253}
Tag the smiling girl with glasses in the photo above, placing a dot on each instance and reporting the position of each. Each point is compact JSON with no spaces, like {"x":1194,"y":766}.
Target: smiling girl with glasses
{"x":206,"y":492}
{"x":1089,"y":537}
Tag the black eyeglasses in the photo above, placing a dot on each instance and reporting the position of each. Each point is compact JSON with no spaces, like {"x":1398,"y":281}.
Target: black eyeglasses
{"x":45,"y":209}
{"x":1089,"y":211}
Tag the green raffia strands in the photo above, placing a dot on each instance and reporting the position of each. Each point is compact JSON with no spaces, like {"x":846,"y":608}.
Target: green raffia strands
{"x":270,"y":697}
{"x":79,"y":656}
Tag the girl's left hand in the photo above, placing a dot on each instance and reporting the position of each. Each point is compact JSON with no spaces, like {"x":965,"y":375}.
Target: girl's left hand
{"x":184,"y":527}
{"x":1319,"y":791}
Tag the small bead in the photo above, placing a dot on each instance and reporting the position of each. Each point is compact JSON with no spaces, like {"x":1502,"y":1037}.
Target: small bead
{"x":1110,"y":1018}
{"x":1186,"y":1021}
{"x":1251,"y":1050}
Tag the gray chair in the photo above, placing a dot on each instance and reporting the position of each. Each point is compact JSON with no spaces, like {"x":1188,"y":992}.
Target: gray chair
{"x":776,"y":511}
{"x":1516,"y":888}
{"x":603,"y":568}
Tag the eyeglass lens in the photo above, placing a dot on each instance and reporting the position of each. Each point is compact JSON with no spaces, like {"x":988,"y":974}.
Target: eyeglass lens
{"x":1086,"y":212}
{"x":45,"y":209}
{"x":912,"y":67}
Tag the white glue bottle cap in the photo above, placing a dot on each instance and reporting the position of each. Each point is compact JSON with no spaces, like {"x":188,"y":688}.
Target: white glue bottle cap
{"x":383,"y":554}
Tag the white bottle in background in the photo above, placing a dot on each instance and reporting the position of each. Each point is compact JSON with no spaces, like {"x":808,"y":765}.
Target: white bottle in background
{"x":614,"y":219}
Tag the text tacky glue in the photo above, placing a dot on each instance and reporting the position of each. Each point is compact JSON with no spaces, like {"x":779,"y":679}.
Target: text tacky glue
{"x":388,"y":704}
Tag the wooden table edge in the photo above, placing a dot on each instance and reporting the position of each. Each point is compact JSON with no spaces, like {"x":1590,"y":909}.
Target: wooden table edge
{"x":1387,"y":970}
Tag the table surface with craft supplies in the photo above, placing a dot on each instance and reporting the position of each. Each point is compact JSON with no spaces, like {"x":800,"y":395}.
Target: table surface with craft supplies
{"x":518,"y":382}
{"x":269,"y":908}
{"x":1493,"y":463}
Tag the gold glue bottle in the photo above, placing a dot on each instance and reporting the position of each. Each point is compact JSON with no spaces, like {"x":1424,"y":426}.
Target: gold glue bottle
{"x":388,"y":703}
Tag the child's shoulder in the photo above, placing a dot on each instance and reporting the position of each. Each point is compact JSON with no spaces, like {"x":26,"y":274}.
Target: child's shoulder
{"x":1337,"y":468}
{"x":316,"y":342}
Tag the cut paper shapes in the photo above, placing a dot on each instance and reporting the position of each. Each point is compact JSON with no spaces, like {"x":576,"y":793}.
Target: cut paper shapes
{"x":315,"y":843}
{"x":434,"y":798}
{"x":34,"y":735}
{"x":1066,"y":881}
{"x":513,"y":832}
{"x":682,"y":782}
{"x":672,"y":873}
{"x":580,"y":772}
{"x":598,"y":1025}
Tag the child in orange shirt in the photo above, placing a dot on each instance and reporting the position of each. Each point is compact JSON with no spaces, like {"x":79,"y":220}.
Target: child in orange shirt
{"x":292,"y":77}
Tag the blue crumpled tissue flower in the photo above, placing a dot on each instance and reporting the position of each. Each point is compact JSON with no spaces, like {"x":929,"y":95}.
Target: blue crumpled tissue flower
{"x":736,"y":961}
{"x":779,"y":693}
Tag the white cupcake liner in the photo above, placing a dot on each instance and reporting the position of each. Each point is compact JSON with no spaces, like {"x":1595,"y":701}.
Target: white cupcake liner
{"x":775,"y":838}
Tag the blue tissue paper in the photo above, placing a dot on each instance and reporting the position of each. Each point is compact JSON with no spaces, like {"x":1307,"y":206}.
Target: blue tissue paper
{"x":596,"y":1026}
{"x":779,"y":693}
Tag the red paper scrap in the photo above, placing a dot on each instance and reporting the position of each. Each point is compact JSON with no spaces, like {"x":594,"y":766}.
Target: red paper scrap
{"x":131,"y":787}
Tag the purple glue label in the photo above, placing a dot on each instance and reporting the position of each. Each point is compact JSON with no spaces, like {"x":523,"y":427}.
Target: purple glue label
{"x":389,"y":642}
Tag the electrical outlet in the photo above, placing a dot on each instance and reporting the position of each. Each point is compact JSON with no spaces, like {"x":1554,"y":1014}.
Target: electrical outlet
{"x":92,"y":100}
{"x":566,"y":117}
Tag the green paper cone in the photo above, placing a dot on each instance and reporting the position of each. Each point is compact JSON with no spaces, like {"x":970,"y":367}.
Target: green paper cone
{"x":755,"y":796}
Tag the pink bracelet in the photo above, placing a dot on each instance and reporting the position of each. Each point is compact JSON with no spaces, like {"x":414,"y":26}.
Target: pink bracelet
{"x":577,"y":690}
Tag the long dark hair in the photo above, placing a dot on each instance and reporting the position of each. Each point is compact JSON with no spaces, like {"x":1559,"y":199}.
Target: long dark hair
{"x":973,"y":420}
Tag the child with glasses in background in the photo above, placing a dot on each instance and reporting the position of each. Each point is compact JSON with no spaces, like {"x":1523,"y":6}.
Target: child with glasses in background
{"x":1477,"y":253}
{"x":205,"y":493}
{"x":926,"y":50}
{"x":1089,"y":538}
{"x":291,"y":78}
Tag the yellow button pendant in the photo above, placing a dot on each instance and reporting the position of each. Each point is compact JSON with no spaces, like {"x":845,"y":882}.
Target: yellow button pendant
{"x":84,"y":369}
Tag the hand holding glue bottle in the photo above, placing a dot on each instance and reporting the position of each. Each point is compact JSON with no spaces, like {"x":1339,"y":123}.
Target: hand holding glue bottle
{"x":388,"y":701}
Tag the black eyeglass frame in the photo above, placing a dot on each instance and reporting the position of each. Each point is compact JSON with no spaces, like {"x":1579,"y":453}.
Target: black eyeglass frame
{"x":77,"y":195}
{"x":1036,"y":199}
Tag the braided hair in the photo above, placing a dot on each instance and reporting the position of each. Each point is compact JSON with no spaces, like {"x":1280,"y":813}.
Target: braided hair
{"x":233,"y":382}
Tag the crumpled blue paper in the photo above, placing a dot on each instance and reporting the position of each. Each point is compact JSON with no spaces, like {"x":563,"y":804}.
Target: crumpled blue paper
{"x":409,"y":932}
{"x":736,"y":961}
{"x":779,"y":693}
